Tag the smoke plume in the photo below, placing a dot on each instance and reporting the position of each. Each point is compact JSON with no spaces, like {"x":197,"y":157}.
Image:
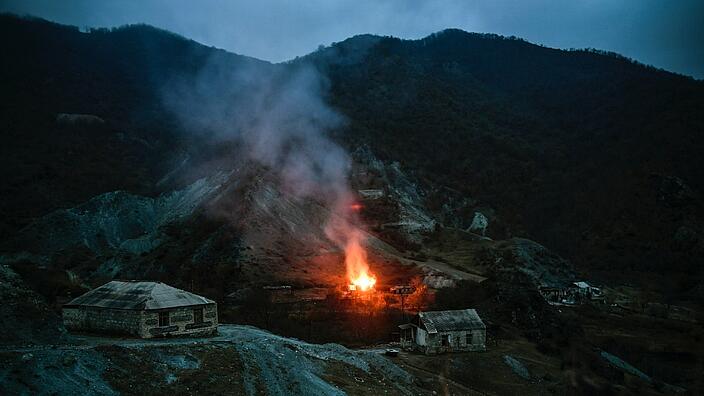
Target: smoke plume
{"x":279,"y":116}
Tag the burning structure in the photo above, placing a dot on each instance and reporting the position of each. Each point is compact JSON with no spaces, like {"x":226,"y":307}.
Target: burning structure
{"x":344,"y":231}
{"x":357,"y":265}
{"x":142,"y":309}
{"x":444,"y":331}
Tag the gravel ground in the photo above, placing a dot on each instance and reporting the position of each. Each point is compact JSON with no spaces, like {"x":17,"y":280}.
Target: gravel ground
{"x":271,"y":364}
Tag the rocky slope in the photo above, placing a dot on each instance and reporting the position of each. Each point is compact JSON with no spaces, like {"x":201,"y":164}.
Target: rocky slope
{"x":240,"y":360}
{"x":29,"y":318}
{"x":490,"y":165}
{"x":584,"y":152}
{"x":573,"y":149}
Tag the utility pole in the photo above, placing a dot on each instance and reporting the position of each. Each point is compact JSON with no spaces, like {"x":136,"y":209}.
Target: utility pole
{"x":403,"y":310}
{"x":403,"y":291}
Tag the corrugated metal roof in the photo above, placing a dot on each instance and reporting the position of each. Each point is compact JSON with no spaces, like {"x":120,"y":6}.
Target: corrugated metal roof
{"x":462,"y":319}
{"x":138,"y":295}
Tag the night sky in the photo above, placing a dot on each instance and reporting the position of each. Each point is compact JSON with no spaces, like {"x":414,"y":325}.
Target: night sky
{"x":666,"y":34}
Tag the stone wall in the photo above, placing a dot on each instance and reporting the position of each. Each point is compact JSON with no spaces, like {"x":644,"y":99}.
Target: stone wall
{"x":457,"y":342}
{"x":181,"y":322}
{"x":101,"y":320}
{"x":141,"y":323}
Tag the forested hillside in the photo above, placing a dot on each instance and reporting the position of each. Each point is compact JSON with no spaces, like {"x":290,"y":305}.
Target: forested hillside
{"x":116,"y":75}
{"x":591,"y":154}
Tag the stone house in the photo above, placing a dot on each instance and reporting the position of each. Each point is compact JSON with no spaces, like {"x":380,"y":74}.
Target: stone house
{"x":444,"y":331}
{"x":141,"y":309}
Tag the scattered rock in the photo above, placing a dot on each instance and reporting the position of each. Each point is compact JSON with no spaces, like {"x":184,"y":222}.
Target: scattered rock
{"x":673,"y":191}
{"x":624,"y":366}
{"x":78,"y":119}
{"x":479,"y":224}
{"x":685,"y":238}
{"x":517,"y":367}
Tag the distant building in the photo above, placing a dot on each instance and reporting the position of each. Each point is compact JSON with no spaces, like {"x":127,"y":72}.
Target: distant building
{"x":554,"y":294}
{"x":444,"y":331}
{"x":142,"y":309}
{"x":371,"y":194}
{"x":586,"y":291}
{"x":572,"y":294}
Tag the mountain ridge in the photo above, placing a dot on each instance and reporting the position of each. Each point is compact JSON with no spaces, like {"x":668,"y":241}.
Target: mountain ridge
{"x":540,"y":139}
{"x":483,"y":169}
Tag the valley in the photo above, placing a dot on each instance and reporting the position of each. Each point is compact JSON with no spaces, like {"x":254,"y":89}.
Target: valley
{"x":324,"y":201}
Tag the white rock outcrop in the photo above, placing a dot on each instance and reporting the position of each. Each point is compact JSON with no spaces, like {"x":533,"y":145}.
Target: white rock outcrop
{"x":479,"y":224}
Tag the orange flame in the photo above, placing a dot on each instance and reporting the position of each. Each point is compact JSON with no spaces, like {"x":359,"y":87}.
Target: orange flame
{"x":356,"y":262}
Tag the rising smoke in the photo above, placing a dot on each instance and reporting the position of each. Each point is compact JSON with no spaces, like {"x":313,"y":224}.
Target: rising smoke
{"x":279,"y":116}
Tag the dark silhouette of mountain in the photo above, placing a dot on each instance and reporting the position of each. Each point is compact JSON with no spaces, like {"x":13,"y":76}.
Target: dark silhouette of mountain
{"x":114,"y":74}
{"x":589,"y":153}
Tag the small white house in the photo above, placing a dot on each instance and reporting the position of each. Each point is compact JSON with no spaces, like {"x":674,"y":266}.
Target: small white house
{"x":444,"y":331}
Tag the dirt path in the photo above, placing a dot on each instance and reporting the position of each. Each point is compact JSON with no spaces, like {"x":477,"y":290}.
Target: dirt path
{"x":453,"y":272}
{"x":446,"y":269}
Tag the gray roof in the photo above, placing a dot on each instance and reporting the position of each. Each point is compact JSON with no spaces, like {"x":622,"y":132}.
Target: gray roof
{"x":138,"y":295}
{"x":462,"y":319}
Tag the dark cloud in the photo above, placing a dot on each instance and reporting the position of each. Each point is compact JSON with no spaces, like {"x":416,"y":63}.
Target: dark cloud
{"x":666,"y":34}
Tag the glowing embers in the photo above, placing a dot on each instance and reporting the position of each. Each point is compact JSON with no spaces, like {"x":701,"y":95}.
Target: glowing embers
{"x":356,"y":207}
{"x":363,"y":282}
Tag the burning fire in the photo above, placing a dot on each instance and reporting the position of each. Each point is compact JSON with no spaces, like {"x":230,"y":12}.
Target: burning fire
{"x":364,"y":282}
{"x":343,"y":229}
{"x":356,"y":262}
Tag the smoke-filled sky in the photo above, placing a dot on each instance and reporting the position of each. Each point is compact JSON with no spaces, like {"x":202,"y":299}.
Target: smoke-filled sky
{"x":664,"y":33}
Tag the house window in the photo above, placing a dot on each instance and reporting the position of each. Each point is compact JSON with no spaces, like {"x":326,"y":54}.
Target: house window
{"x":445,"y":340}
{"x":198,"y":315}
{"x":468,"y":338}
{"x":163,"y":319}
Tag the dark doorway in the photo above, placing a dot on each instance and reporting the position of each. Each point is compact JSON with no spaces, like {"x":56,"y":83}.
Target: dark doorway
{"x":163,"y":319}
{"x":198,"y":315}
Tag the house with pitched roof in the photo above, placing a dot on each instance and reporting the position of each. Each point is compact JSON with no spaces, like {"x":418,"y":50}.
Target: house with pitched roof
{"x":141,"y":309}
{"x":444,"y":331}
